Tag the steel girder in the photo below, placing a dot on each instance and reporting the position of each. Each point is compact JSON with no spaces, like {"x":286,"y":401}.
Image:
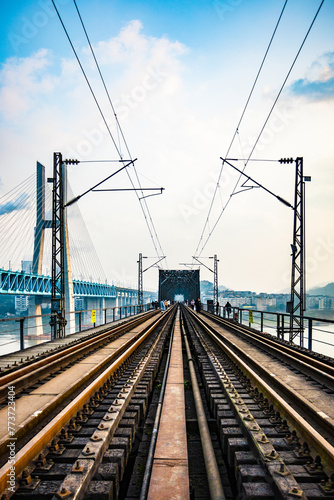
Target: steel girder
{"x":22,"y":283}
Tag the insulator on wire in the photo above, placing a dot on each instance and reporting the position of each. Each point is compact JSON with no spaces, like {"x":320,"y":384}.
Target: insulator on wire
{"x":71,"y":162}
{"x":286,"y":160}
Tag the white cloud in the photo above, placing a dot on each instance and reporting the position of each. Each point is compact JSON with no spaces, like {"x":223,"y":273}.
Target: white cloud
{"x":133,"y":49}
{"x":178,"y":127}
{"x":24,"y":81}
{"x":318,"y":83}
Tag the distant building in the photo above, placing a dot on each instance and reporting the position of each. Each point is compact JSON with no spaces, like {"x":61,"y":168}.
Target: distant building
{"x":265,"y":303}
{"x":312,"y":302}
{"x":235,"y":301}
{"x":325,"y":303}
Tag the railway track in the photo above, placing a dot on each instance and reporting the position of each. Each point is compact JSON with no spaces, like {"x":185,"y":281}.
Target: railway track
{"x":172,"y":402}
{"x":16,"y":365}
{"x":42,"y":385}
{"x":62,"y":402}
{"x":295,"y":354}
{"x":275,"y":421}
{"x":306,"y":383}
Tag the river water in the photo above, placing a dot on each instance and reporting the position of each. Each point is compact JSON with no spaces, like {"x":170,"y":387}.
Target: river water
{"x":322,"y":333}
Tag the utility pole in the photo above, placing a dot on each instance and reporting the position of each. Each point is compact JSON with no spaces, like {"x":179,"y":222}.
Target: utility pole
{"x":215,"y":283}
{"x":140,"y":277}
{"x":58,"y":283}
{"x":215,"y":278}
{"x":140,"y":282}
{"x":296,"y":306}
{"x":58,"y":321}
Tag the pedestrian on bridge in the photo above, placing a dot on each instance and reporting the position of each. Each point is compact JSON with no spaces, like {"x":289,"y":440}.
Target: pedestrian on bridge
{"x":198,"y":305}
{"x":162,"y":306}
{"x":228,"y":308}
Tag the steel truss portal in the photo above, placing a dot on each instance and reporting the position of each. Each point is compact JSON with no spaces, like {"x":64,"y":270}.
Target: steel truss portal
{"x":178,"y":282}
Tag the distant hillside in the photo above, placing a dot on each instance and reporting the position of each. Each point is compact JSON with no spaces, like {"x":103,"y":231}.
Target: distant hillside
{"x":324,"y":290}
{"x":208,"y":286}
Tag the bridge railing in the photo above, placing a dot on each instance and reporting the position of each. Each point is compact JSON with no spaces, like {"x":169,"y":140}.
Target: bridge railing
{"x":318,"y":333}
{"x":18,"y":333}
{"x":84,"y":319}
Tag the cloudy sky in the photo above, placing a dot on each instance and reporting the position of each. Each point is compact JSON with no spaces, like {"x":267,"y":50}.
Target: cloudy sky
{"x":179,"y":75}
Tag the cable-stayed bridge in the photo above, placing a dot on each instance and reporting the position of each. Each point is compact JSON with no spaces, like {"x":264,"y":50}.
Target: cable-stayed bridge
{"x":26,"y":251}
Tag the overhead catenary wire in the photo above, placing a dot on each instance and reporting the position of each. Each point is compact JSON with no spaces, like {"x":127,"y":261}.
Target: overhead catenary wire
{"x":239,"y":123}
{"x":86,"y":78}
{"x":285,"y":80}
{"x":119,"y":129}
{"x":259,"y":135}
{"x":142,"y":201}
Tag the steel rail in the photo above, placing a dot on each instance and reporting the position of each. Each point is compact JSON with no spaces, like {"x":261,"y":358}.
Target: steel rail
{"x":60,"y":398}
{"x":285,"y":354}
{"x":28,"y":374}
{"x":77,"y":486}
{"x":278,"y":474}
{"x":211,"y":466}
{"x":30,"y":450}
{"x":321,"y":366}
{"x":305,"y":429}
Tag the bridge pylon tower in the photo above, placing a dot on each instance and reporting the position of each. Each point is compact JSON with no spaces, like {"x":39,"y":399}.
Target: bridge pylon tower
{"x":35,"y":311}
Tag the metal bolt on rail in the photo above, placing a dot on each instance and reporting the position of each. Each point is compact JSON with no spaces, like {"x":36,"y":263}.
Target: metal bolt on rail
{"x":327,"y":486}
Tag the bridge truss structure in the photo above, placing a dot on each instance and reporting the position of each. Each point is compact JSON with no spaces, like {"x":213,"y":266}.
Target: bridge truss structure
{"x":179,"y":282}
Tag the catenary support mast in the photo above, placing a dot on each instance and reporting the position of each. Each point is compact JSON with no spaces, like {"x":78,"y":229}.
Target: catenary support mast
{"x":215,"y":283}
{"x":58,"y":321}
{"x":297,"y":301}
{"x":140,"y":282}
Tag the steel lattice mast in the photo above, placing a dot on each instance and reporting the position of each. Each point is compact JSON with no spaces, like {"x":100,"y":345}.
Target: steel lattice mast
{"x":215,"y":283}
{"x":58,"y":321}
{"x":297,"y":301}
{"x":140,"y":282}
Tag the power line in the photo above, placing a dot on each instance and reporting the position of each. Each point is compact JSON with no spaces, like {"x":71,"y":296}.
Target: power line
{"x":86,"y":78}
{"x":261,"y":131}
{"x":239,"y":123}
{"x":285,"y":80}
{"x":142,"y":202}
{"x":119,"y":130}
